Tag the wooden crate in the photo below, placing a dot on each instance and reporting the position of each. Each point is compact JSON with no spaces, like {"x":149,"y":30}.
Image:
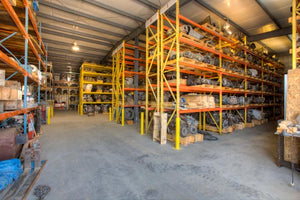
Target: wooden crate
{"x":296,"y":149}
{"x":160,"y":127}
{"x":257,"y":122}
{"x":198,"y":137}
{"x":239,"y":126}
{"x":129,"y":122}
{"x":182,"y":140}
{"x":182,"y":81}
{"x":292,"y":111}
{"x":250,"y":125}
{"x":215,"y":129}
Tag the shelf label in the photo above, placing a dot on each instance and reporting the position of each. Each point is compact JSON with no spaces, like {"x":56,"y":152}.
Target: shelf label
{"x":167,"y":6}
{"x":117,"y":49}
{"x":151,"y":20}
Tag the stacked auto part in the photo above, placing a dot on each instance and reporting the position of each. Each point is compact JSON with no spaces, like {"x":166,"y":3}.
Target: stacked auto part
{"x":188,"y":125}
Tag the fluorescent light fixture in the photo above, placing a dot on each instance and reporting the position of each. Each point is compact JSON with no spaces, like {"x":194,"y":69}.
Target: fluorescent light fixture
{"x":227,"y":27}
{"x":75,"y":47}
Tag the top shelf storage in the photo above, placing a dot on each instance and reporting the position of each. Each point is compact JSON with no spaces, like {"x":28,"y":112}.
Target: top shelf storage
{"x":9,"y":28}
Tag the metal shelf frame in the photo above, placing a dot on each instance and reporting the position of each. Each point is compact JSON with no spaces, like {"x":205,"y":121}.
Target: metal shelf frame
{"x":126,"y":56}
{"x":84,"y":73}
{"x":16,"y":64}
{"x":174,"y":42}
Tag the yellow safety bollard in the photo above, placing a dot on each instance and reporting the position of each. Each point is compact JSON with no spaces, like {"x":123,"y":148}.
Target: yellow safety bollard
{"x":177,"y":134}
{"x":48,"y":115}
{"x":51,"y":111}
{"x":142,"y":123}
{"x":122,"y":117}
{"x":109,"y":113}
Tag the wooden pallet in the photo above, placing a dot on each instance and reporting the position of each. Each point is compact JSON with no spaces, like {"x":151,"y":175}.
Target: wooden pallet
{"x":250,"y":125}
{"x":215,"y":129}
{"x":189,"y":139}
{"x":129,"y":122}
{"x":211,"y":27}
{"x":239,"y":126}
{"x":160,"y":127}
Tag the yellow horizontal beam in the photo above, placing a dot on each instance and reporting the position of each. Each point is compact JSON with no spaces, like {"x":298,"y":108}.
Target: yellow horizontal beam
{"x":96,"y":102}
{"x":96,"y":83}
{"x":97,"y":92}
{"x":85,"y":73}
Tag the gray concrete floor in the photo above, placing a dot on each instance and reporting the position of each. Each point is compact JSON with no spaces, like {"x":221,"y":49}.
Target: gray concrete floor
{"x":92,"y":158}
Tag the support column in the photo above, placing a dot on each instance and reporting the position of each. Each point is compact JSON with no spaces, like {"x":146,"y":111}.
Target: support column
{"x":25,"y":66}
{"x":136,"y":81}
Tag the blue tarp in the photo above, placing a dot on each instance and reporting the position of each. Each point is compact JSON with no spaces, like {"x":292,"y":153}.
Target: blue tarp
{"x":10,"y":170}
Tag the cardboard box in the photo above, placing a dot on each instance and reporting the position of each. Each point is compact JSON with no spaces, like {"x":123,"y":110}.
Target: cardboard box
{"x":14,"y":94}
{"x":2,"y":77}
{"x":12,"y":105}
{"x":19,"y":94}
{"x":5,"y":93}
{"x":1,"y":106}
{"x":13,"y":84}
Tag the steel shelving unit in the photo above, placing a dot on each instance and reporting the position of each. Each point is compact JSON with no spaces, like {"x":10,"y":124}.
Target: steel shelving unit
{"x":172,"y":40}
{"x":153,"y":69}
{"x":69,"y":86}
{"x":15,"y":69}
{"x":127,"y":58}
{"x":98,"y":70}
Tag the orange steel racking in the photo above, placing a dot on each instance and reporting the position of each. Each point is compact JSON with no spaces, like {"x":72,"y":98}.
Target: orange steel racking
{"x":176,"y":41}
{"x":16,"y":64}
{"x":125,"y":64}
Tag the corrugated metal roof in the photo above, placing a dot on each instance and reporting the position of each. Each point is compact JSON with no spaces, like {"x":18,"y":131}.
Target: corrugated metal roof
{"x":112,"y":20}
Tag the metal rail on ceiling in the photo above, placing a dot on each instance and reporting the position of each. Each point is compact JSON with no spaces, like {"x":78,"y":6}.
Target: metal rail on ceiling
{"x":82,"y":14}
{"x":70,"y":22}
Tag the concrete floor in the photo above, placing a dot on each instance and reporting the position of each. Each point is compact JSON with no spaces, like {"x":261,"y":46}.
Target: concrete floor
{"x":91,"y":158}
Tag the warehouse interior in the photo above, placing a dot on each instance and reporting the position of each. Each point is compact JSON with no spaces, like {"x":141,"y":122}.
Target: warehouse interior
{"x":149,"y":99}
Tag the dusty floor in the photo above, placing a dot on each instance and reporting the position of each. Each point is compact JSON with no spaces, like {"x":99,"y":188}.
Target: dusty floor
{"x":92,"y":158}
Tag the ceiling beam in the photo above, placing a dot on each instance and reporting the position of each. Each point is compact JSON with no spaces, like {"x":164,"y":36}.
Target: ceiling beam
{"x":277,"y":33}
{"x":268,"y":13}
{"x":73,"y":23}
{"x":57,"y":59}
{"x":128,"y":37}
{"x":149,"y":4}
{"x":69,"y":51}
{"x":74,"y":37}
{"x":49,"y":41}
{"x":239,"y":28}
{"x":50,"y":26}
{"x":211,"y":9}
{"x":82,"y":14}
{"x":72,"y":56}
{"x":134,"y":33}
{"x":114,"y":10}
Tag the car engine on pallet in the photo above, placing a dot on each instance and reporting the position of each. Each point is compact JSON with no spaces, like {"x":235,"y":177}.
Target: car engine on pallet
{"x":228,"y":119}
{"x":188,"y":125}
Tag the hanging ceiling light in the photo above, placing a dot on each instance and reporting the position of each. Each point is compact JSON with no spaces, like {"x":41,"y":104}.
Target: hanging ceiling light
{"x":227,"y":27}
{"x":75,"y":47}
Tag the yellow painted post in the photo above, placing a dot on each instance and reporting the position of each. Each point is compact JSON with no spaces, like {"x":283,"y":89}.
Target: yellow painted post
{"x":147,"y":77}
{"x":109,"y":113}
{"x":221,"y":105}
{"x":177,"y":136}
{"x":51,"y":107}
{"x":123,"y":117}
{"x":204,"y":121}
{"x":123,"y":81}
{"x":142,"y":123}
{"x":200,"y":121}
{"x":48,"y":115}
